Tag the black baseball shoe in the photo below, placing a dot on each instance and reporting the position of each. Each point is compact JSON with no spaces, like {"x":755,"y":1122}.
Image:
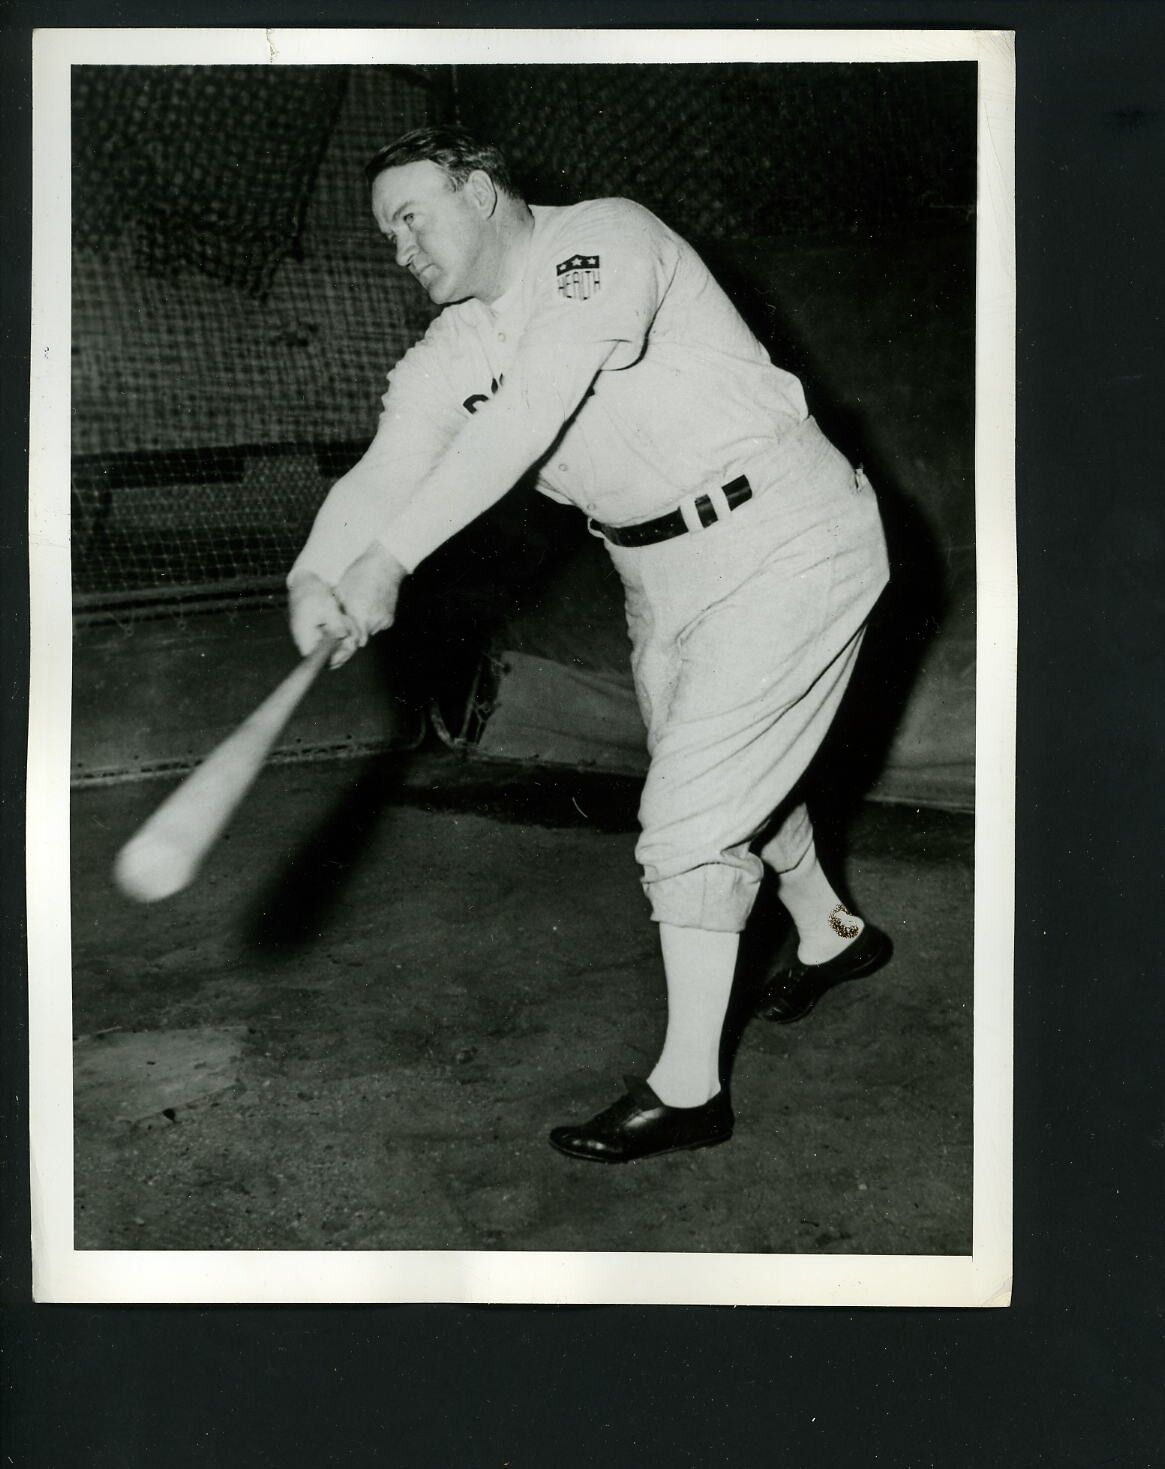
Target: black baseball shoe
{"x":791,"y":993}
{"x":639,"y":1125}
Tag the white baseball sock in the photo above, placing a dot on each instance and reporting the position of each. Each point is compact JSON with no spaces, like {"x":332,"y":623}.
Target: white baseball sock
{"x":824,"y":926}
{"x":699,"y":964}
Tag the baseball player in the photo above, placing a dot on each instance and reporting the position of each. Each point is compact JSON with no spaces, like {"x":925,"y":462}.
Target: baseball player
{"x":591,"y":341}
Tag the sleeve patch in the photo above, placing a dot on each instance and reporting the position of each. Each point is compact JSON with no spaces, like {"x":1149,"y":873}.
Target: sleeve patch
{"x":578,"y":278}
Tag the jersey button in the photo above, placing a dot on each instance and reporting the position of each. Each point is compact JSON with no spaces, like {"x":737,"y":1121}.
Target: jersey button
{"x":563,"y":466}
{"x":501,"y":336}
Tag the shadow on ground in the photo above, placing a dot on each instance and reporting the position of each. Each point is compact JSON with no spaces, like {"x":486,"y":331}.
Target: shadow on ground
{"x":356,"y":1028}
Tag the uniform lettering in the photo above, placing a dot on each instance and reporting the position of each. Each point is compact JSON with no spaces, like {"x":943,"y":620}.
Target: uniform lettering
{"x":470,"y":404}
{"x":578,"y":278}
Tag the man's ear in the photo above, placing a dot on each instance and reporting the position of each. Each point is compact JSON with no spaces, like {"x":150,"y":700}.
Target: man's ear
{"x":482,"y":190}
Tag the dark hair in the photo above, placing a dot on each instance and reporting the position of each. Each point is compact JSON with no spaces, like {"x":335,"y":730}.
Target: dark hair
{"x":452,"y":149}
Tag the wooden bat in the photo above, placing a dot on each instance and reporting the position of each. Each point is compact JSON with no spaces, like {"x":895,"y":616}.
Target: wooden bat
{"x":165,"y":853}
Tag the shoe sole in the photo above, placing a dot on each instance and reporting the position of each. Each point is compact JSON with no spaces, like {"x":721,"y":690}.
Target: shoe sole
{"x":871,"y":965}
{"x":710,"y":1142}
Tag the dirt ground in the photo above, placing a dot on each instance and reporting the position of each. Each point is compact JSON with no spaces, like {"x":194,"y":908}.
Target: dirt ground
{"x":393,"y":977}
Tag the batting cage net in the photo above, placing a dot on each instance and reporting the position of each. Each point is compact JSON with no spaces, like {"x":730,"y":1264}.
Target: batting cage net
{"x":726,"y":152}
{"x":235,"y":312}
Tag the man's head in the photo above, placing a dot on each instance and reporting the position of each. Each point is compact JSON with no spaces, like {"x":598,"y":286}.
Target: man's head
{"x":448,"y":206}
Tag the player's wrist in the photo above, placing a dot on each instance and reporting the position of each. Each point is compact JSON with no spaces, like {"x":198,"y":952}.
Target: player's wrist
{"x":393,"y":564}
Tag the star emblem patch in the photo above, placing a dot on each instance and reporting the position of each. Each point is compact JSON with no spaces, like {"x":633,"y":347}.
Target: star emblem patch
{"x":578,"y":277}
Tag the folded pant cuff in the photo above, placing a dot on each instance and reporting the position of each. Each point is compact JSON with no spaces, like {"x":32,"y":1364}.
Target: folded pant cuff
{"x":716,"y":896}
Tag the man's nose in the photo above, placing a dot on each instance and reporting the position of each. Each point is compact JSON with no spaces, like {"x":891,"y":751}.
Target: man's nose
{"x":405,"y":249}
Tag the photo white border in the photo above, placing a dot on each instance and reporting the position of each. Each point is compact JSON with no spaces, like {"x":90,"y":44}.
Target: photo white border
{"x":62,"y":1274}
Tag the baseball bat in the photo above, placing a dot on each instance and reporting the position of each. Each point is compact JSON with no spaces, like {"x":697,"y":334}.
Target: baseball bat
{"x":165,"y":853}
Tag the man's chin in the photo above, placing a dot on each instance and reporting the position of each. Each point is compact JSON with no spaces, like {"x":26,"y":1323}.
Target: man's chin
{"x":440,"y":291}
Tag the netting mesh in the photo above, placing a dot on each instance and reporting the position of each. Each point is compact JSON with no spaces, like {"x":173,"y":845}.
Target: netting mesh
{"x":221,"y":382}
{"x":235,"y":312}
{"x":207,"y":168}
{"x":196,"y":519}
{"x":731,"y":151}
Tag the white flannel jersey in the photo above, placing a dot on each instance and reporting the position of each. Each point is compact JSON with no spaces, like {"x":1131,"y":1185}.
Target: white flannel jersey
{"x":614,"y":362}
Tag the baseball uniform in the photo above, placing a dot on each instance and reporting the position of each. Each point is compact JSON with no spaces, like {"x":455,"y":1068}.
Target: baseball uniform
{"x":617,"y":365}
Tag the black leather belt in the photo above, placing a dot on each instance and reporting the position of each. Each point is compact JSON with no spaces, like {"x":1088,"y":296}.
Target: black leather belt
{"x":663,"y":527}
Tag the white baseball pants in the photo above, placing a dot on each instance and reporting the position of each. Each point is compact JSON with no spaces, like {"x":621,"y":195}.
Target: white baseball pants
{"x":744,"y":637}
